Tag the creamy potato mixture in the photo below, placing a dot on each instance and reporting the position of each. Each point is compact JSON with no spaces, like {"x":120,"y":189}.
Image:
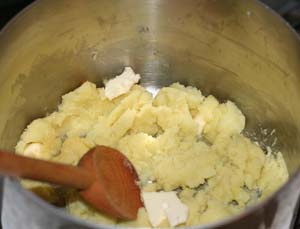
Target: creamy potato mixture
{"x":178,"y":141}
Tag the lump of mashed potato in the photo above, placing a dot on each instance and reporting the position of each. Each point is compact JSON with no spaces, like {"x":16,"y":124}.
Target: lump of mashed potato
{"x":178,"y":140}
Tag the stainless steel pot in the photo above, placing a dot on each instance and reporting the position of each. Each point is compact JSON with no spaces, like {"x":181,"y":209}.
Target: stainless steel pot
{"x":236,"y":49}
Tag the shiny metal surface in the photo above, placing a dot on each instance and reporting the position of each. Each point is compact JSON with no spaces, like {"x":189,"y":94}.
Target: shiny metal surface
{"x":234,"y":49}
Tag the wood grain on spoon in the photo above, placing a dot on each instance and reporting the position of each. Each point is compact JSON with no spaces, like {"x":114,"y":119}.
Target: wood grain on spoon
{"x":105,"y":178}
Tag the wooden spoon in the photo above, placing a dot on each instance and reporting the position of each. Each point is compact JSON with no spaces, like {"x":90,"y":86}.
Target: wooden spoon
{"x":106,"y":179}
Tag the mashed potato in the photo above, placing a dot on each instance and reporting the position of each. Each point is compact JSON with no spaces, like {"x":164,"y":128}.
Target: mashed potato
{"x":179,"y":140}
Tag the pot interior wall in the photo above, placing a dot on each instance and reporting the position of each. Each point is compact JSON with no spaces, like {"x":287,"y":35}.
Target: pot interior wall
{"x":233,"y":49}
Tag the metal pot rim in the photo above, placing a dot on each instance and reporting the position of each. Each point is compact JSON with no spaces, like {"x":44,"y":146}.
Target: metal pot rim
{"x":58,"y":212}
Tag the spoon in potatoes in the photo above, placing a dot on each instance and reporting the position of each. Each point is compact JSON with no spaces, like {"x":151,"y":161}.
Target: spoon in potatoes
{"x":105,"y":178}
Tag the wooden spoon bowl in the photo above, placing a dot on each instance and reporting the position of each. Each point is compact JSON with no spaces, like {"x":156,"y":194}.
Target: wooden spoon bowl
{"x":114,"y":185}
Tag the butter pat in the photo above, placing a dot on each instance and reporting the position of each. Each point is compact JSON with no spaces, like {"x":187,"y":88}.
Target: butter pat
{"x":121,"y":84}
{"x":162,"y":205}
{"x":200,"y":123}
{"x":154,"y":207}
{"x":33,"y":150}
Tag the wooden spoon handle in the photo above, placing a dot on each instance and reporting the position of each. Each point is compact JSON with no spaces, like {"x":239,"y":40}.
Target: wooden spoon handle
{"x":39,"y":170}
